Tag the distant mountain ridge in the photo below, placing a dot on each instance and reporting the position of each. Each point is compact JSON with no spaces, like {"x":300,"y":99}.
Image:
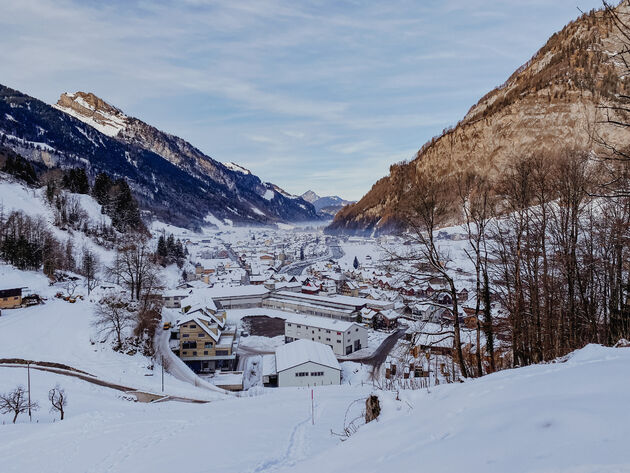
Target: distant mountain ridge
{"x":328,"y":206}
{"x":172,"y":179}
{"x":548,"y":105}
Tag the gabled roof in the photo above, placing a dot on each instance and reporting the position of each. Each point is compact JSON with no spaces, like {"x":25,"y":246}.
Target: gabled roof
{"x":390,"y":314}
{"x":207,"y":315}
{"x":199,"y":319}
{"x":199,"y":299}
{"x":303,"y":351}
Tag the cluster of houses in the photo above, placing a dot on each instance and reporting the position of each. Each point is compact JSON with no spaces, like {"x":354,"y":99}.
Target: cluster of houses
{"x":205,"y":342}
{"x":328,"y":311}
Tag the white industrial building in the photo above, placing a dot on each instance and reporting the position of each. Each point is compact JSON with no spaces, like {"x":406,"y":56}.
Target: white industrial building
{"x":334,"y":306}
{"x":342,"y":336}
{"x":307,"y":363}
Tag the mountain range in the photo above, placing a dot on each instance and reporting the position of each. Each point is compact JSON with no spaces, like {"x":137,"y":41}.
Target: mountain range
{"x":550,"y":104}
{"x":172,"y":180}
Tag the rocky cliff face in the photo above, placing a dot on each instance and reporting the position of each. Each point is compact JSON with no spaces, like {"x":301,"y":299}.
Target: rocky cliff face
{"x":547,"y":105}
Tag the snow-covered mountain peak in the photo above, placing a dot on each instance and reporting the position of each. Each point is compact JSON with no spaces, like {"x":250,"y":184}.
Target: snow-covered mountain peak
{"x":237,"y":168}
{"x":310,"y":196}
{"x":93,"y":111}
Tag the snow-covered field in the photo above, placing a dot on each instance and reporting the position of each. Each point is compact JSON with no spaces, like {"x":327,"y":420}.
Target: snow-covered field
{"x":563,"y":417}
{"x":60,"y":332}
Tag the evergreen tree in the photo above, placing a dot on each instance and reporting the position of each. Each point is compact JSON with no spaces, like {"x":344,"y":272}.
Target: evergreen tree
{"x":355,"y":263}
{"x":89,"y":268}
{"x":100,"y":191}
{"x":19,"y":167}
{"x":75,"y":180}
{"x":162,"y":249}
{"x":69,"y":262}
{"x":124,"y":213}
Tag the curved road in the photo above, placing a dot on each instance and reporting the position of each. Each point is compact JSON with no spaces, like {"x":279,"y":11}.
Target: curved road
{"x":378,"y":357}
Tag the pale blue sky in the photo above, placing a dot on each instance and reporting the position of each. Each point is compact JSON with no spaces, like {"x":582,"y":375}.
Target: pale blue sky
{"x":320,"y":95}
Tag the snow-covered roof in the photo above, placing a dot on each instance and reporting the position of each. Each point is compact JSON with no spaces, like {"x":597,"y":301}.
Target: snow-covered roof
{"x":224,"y":292}
{"x":302,"y":351}
{"x":268,"y":365}
{"x":199,"y":300}
{"x":176,"y":293}
{"x":199,"y":319}
{"x":327,"y":323}
{"x":347,"y":301}
{"x":390,"y":314}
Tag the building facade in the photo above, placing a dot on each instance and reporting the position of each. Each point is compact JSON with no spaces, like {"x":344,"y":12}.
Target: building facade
{"x":343,"y":337}
{"x":306,"y":363}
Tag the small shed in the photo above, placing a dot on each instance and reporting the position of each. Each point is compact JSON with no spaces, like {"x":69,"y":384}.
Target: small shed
{"x":10,"y":298}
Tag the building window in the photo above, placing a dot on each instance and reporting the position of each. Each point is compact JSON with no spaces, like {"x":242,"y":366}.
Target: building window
{"x":201,"y":334}
{"x":338,"y":341}
{"x":185,"y":335}
{"x":189,"y":345}
{"x":289,"y":325}
{"x":208,"y":345}
{"x":222,"y":352}
{"x":301,"y":374}
{"x":205,"y":352}
{"x":194,"y":353}
{"x":317,"y":373}
{"x":328,"y":339}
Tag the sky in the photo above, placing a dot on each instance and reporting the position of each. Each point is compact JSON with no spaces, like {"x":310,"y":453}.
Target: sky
{"x":321,"y":95}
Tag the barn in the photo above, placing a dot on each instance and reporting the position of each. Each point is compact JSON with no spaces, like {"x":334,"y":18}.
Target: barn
{"x":306,"y":363}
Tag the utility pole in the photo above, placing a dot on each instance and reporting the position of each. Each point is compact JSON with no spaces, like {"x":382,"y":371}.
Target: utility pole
{"x":28,"y":371}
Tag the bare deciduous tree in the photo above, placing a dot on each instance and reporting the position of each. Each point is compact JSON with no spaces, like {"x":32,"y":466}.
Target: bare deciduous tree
{"x":16,"y":402}
{"x":113,"y":315}
{"x":58,"y":400}
{"x":428,"y":207}
{"x":134,"y":266}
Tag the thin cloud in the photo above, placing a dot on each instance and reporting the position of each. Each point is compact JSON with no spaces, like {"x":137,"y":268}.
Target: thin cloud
{"x":323,"y":95}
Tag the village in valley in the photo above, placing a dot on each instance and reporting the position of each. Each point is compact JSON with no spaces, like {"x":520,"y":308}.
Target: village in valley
{"x":244,"y":295}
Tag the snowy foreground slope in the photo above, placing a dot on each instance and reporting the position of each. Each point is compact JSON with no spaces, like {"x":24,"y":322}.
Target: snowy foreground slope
{"x":562,"y":417}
